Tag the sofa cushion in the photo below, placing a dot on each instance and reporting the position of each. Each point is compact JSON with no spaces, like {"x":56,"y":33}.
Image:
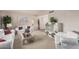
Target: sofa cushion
{"x":2,"y":40}
{"x":69,"y":41}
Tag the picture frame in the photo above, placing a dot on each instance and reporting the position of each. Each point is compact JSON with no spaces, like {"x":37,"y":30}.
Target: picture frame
{"x":23,"y":20}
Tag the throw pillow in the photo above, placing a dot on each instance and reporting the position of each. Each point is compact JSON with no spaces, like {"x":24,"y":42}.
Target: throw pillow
{"x":7,"y":31}
{"x":2,"y":40}
{"x":20,"y":28}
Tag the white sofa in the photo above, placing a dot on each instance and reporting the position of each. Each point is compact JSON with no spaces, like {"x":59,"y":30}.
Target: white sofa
{"x":8,"y":44}
{"x":67,"y":40}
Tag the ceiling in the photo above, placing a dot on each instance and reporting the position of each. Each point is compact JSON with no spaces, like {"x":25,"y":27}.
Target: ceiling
{"x":41,"y":12}
{"x":29,"y":12}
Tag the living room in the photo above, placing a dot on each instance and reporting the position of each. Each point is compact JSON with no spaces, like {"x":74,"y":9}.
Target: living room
{"x":66,"y":26}
{"x":22,"y":19}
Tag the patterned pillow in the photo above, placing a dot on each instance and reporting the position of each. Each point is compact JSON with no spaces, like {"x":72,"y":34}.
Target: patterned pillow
{"x":7,"y":31}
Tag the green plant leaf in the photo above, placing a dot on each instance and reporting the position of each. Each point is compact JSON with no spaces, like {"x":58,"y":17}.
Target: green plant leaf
{"x":52,"y":19}
{"x":6,"y":19}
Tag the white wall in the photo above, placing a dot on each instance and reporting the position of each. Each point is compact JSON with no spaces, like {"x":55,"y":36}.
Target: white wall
{"x":43,"y":20}
{"x":16,"y":15}
{"x":69,"y":18}
{"x":15,"y":18}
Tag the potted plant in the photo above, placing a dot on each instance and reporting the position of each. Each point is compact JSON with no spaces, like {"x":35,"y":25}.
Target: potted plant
{"x":6,"y":20}
{"x":53,"y":20}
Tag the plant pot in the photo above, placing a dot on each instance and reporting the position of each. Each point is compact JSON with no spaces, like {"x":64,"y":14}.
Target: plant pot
{"x":9,"y":26}
{"x":53,"y":23}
